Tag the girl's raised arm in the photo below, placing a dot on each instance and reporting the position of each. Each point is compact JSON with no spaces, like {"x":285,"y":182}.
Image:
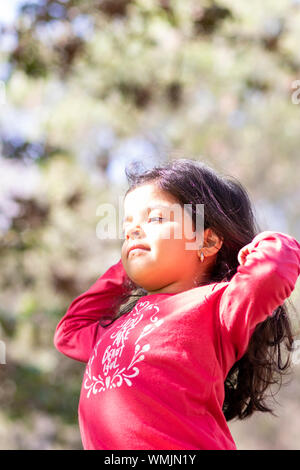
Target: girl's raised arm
{"x":265,"y":279}
{"x":76,"y":332}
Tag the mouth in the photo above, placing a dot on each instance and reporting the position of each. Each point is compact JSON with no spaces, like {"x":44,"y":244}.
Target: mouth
{"x":138,"y":248}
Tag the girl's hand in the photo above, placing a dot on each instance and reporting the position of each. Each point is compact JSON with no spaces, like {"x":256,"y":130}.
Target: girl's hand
{"x":242,"y":254}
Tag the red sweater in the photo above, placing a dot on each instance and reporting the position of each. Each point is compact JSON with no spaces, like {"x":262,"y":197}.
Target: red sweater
{"x":155,"y":377}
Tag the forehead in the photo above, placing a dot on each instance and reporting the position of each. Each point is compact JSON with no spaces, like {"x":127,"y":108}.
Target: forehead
{"x":147,"y":196}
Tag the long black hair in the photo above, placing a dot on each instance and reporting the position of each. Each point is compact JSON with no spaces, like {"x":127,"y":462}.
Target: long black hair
{"x":229,"y":213}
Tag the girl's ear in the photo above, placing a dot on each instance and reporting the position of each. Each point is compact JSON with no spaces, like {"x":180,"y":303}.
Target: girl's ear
{"x":211,"y":243}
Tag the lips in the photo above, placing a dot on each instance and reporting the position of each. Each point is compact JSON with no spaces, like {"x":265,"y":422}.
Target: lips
{"x":140,"y":246}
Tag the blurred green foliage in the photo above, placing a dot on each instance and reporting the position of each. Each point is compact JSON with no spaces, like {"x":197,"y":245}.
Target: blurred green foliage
{"x":91,"y":85}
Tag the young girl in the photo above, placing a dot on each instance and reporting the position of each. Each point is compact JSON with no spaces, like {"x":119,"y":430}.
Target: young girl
{"x":178,"y":341}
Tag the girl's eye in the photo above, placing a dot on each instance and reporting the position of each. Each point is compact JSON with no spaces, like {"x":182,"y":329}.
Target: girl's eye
{"x":152,"y":218}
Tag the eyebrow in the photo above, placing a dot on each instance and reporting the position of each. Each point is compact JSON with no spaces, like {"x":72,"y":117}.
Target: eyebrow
{"x":151,"y":206}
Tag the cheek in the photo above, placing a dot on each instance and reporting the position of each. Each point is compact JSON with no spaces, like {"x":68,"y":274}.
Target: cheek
{"x":124,"y":255}
{"x":171,"y":247}
{"x":176,"y":247}
{"x":173,"y":234}
{"x":167,"y":232}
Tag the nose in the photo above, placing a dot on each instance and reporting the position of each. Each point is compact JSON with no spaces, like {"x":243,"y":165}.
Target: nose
{"x":133,"y":232}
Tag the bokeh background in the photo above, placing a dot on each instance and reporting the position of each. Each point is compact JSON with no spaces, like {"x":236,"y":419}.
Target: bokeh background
{"x":88,"y":86}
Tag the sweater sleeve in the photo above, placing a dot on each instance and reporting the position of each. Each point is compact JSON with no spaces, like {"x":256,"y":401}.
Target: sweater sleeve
{"x":76,"y":332}
{"x":267,"y":277}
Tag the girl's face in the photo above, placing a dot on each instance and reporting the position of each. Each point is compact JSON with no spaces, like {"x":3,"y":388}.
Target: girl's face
{"x":164,"y":265}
